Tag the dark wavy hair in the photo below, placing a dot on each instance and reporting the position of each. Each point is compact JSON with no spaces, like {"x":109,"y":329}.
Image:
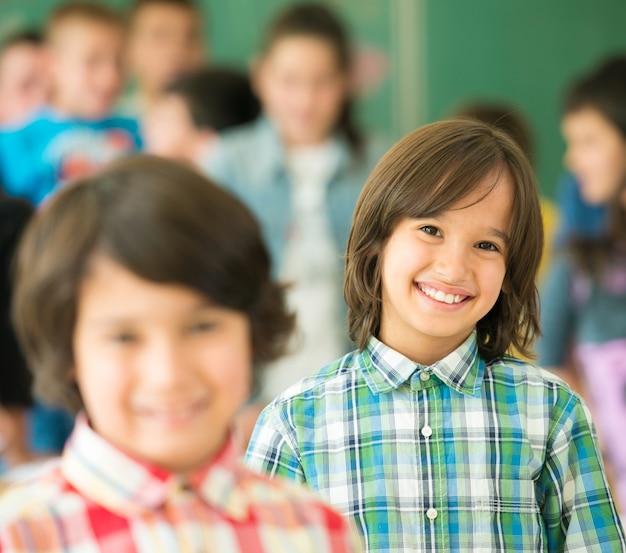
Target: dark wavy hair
{"x":163,"y":222}
{"x":424,"y":174}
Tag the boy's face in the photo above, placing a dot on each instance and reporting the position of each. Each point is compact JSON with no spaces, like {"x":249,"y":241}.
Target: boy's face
{"x":160,"y":369}
{"x":165,"y":42}
{"x":442,"y":274}
{"x":86,"y":66}
{"x":24,"y":82}
{"x":596,"y":154}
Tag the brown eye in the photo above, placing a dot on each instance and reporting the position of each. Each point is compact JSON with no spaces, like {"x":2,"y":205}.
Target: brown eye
{"x":487,"y":246}
{"x":429,"y":229}
{"x":124,"y":338}
{"x":201,"y":327}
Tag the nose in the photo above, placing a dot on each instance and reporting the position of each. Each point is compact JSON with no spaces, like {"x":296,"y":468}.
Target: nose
{"x":164,"y":364}
{"x":452,"y":263}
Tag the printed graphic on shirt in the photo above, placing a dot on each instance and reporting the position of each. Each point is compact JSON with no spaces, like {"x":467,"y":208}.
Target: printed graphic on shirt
{"x":79,"y":152}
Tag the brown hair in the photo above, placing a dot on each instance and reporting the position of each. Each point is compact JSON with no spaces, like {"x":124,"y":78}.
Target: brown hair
{"x":503,"y":117}
{"x":317,"y":21}
{"x":163,"y":222}
{"x":424,"y":174}
{"x":81,"y":12}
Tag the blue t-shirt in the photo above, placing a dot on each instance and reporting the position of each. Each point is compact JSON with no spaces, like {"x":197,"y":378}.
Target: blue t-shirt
{"x":52,"y":149}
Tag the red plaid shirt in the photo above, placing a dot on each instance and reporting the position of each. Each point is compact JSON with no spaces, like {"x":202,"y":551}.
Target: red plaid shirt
{"x":99,"y":499}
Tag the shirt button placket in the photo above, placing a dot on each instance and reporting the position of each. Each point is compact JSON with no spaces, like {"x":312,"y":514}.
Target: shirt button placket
{"x":432,"y":514}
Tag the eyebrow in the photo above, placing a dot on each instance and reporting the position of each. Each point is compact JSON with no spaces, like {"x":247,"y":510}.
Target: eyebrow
{"x":491,"y":230}
{"x":114,"y":321}
{"x":502,"y":235}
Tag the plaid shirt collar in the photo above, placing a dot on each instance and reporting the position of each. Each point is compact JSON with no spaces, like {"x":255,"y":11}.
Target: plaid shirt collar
{"x":385,"y":369}
{"x":128,"y":486}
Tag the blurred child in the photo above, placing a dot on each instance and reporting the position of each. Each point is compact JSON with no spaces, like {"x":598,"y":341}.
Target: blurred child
{"x":584,"y":216}
{"x":300,"y":168}
{"x":122,"y":312}
{"x":510,"y":120}
{"x":165,"y":42}
{"x":186,"y":122}
{"x":584,"y":297}
{"x":24,"y":82}
{"x":28,"y":431}
{"x":428,"y":435}
{"x":76,"y":133}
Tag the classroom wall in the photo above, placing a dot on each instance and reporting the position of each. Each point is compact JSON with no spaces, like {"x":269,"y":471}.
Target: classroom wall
{"x":439,"y":53}
{"x":524,"y":52}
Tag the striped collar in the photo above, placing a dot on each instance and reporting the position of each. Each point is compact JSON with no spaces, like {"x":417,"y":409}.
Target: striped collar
{"x":128,"y":486}
{"x":385,"y":369}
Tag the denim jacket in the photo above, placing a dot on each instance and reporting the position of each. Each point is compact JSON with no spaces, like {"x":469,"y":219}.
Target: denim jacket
{"x":250,"y":162}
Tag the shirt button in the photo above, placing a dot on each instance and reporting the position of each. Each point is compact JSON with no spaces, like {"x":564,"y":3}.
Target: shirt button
{"x":431,"y":513}
{"x":427,"y":431}
{"x":424,"y":376}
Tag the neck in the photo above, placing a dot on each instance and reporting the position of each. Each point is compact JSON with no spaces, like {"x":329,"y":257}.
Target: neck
{"x":291,"y":144}
{"x":422,"y":350}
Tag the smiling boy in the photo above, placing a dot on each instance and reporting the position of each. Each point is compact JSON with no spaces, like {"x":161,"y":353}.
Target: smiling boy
{"x":429,"y":436}
{"x":144,"y":300}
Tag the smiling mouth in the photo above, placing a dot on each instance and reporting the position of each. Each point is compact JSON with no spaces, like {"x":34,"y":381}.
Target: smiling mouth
{"x":441,"y":296}
{"x":174,"y":414}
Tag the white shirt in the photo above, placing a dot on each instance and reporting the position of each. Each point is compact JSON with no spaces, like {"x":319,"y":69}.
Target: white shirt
{"x":312,"y":266}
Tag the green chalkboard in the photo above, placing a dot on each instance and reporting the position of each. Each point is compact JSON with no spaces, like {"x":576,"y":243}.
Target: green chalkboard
{"x":524,"y":52}
{"x":440,"y":54}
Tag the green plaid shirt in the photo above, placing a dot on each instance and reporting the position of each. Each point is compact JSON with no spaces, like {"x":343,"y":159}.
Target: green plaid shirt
{"x":459,"y":456}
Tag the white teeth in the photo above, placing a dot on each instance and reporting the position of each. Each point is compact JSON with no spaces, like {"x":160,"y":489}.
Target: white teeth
{"x":441,"y":296}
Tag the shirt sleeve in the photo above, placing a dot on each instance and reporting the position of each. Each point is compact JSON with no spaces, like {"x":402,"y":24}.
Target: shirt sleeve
{"x":558,"y":316}
{"x":22,"y":171}
{"x":272,"y":450}
{"x":577,"y":507}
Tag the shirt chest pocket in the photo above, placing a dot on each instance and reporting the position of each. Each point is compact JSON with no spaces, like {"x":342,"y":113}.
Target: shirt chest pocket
{"x":504,"y":515}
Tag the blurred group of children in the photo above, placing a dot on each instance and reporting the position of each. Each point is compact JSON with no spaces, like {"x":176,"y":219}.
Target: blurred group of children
{"x":148,"y":298}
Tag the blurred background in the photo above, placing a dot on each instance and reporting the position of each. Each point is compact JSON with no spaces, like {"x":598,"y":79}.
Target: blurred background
{"x":420,"y":60}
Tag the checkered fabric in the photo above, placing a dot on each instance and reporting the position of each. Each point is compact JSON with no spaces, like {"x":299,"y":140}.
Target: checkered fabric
{"x":459,"y":456}
{"x":98,"y":499}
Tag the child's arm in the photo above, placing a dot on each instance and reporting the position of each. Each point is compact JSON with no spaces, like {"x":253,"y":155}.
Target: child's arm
{"x":271,"y":451}
{"x":577,"y":507}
